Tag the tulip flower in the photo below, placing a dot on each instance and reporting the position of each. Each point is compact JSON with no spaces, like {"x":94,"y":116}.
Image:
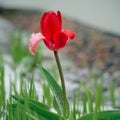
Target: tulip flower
{"x":54,"y":38}
{"x":52,"y":33}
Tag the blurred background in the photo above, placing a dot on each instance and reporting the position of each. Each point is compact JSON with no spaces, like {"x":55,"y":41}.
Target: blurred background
{"x":96,"y":23}
{"x":99,"y":13}
{"x":90,"y":62}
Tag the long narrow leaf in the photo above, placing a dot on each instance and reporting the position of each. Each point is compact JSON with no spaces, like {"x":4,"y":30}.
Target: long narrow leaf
{"x":38,"y":109}
{"x":57,"y":91}
{"x":53,"y":84}
{"x":104,"y":115}
{"x":2,"y":86}
{"x":22,"y":101}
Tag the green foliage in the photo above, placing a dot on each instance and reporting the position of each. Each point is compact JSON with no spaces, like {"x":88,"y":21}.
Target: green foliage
{"x":57,"y":91}
{"x":26,"y":89}
{"x":39,"y":109}
{"x":104,"y":115}
{"x":18,"y":49}
{"x":47,"y":97}
{"x":112,"y":93}
{"x":89,"y":98}
{"x":2,"y":88}
{"x":74,"y":109}
{"x":20,"y":53}
{"x":98,"y":100}
{"x":25,"y":104}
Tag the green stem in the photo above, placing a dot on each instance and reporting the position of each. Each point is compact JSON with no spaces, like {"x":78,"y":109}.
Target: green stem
{"x":62,"y":81}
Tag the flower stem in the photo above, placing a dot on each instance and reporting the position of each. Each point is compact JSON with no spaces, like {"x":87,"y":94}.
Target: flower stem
{"x":62,"y":81}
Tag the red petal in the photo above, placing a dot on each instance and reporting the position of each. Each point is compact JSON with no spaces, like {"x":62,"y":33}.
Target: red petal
{"x":49,"y":44}
{"x":50,"y":24}
{"x":34,"y":40}
{"x":43,"y":21}
{"x":70,"y":34}
{"x":59,"y":16}
{"x":60,"y":40}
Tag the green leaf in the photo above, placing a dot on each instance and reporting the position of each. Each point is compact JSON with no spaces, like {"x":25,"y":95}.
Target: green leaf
{"x":39,"y":104}
{"x":104,"y":115}
{"x":39,"y":108}
{"x":56,"y":106}
{"x":17,"y":109}
{"x":47,"y":97}
{"x":89,"y":97}
{"x":57,"y":91}
{"x":2,"y":86}
{"x":22,"y":101}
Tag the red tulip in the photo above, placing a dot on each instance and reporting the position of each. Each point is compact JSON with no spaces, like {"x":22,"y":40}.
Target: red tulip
{"x":52,"y":34}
